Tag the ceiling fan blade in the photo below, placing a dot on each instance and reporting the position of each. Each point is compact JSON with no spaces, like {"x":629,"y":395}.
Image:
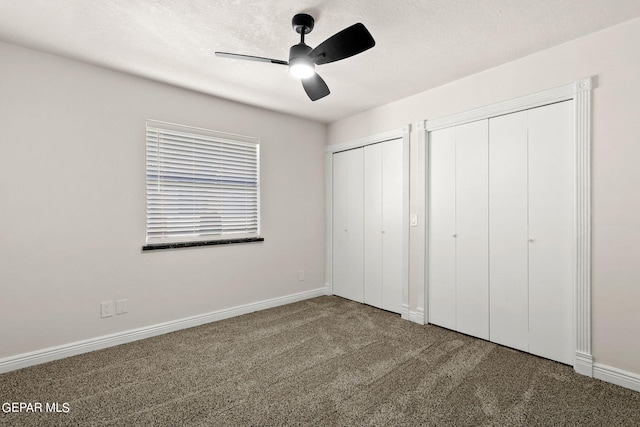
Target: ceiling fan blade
{"x":348,"y":42}
{"x":250,"y":58}
{"x":315,"y":87}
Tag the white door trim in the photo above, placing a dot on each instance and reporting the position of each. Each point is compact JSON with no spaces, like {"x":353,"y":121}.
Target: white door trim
{"x":580,"y":92}
{"x":404,"y":133}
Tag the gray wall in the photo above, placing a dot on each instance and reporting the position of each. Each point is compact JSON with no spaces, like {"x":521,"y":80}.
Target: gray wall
{"x":72,"y":205}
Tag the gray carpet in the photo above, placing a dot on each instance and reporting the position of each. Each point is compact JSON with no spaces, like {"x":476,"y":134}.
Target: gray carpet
{"x":325,"y":361}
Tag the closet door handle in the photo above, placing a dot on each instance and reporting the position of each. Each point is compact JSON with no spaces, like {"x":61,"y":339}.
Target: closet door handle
{"x":454,"y":235}
{"x":531,"y":240}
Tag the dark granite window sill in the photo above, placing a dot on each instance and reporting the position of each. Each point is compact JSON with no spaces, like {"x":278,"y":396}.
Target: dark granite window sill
{"x":180,"y":245}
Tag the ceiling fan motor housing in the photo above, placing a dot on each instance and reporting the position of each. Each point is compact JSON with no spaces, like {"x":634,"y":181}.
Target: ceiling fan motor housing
{"x":299,"y":50}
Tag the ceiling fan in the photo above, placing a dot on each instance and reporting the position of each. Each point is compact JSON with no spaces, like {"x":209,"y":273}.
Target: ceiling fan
{"x":303,"y":59}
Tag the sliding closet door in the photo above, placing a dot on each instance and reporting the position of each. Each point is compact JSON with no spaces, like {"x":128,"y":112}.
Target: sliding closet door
{"x":508,"y":231}
{"x":392,"y":203}
{"x":348,"y":243}
{"x":472,"y":229}
{"x":373,"y":225}
{"x":551,"y":231}
{"x":442,"y":228}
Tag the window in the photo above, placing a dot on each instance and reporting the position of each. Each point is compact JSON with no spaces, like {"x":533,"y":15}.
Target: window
{"x":203,"y":187}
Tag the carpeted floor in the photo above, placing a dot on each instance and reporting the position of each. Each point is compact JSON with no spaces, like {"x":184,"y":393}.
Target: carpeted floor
{"x":325,"y":361}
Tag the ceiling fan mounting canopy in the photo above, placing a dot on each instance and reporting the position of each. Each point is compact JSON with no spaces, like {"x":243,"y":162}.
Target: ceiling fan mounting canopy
{"x":303,"y":59}
{"x":302,"y":23}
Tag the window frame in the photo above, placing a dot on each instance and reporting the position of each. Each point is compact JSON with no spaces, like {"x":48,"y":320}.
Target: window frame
{"x":196,"y":239}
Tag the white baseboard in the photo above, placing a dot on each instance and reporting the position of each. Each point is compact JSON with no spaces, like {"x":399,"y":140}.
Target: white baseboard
{"x":417,"y":316}
{"x":327,"y":289}
{"x":616,"y":376}
{"x":24,"y":360}
{"x":404,"y":312}
{"x":583,"y":364}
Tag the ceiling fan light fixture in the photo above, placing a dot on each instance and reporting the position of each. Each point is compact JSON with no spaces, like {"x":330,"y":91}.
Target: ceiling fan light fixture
{"x":301,"y":68}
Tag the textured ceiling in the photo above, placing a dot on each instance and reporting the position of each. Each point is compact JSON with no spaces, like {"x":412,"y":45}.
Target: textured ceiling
{"x":420,"y":44}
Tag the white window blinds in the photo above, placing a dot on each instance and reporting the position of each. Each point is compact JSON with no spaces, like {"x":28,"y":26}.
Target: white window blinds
{"x":201,"y":185}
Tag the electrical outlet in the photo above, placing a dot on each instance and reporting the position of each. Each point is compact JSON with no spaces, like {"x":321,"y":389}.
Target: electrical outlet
{"x":300,"y":275}
{"x":107,"y":309}
{"x":122,"y":306}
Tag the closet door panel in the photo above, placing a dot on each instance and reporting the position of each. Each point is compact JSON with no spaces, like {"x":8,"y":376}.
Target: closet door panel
{"x":392,"y":190}
{"x":472,"y":231}
{"x":441,"y":262}
{"x":355,"y":226}
{"x":340,"y":223}
{"x":348,"y":244}
{"x":551,"y":230}
{"x":508,"y":231}
{"x":373,"y":200}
